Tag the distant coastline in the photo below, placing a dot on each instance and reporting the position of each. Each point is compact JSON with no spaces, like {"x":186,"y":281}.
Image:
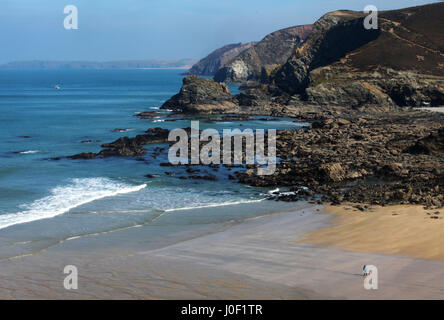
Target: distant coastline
{"x":119,"y":64}
{"x":167,"y":68}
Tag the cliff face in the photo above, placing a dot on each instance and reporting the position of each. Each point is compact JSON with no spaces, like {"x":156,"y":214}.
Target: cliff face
{"x":264,"y":56}
{"x":343,"y":65}
{"x":209,"y":65}
{"x":401,"y":63}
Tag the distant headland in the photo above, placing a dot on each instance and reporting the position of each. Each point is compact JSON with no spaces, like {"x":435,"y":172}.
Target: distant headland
{"x":118,"y":64}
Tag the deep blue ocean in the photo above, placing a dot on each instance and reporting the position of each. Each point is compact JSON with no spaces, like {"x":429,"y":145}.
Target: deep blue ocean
{"x":71,"y":198}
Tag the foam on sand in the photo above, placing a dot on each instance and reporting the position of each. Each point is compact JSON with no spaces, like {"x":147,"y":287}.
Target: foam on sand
{"x":64,"y":198}
{"x":212,"y":205}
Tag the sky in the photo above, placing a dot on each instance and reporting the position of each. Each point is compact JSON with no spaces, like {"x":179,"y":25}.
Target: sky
{"x":153,"y":29}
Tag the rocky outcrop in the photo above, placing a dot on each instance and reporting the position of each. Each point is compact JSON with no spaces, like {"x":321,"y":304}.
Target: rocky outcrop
{"x":341,"y":63}
{"x":432,"y":144}
{"x":201,"y":95}
{"x":365,"y":160}
{"x":382,"y":87}
{"x":258,"y":61}
{"x":205,"y":96}
{"x":128,"y":147}
{"x":209,"y":65}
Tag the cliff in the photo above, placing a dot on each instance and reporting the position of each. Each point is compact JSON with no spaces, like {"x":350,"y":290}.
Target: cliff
{"x":342,"y":65}
{"x":209,"y":65}
{"x":400,"y":63}
{"x":264,"y":56}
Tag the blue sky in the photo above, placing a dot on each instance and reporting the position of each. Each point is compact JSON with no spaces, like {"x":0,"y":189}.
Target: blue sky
{"x":150,"y":29}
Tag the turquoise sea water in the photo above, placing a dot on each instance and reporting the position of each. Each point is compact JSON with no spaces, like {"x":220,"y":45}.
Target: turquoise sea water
{"x":45,"y":200}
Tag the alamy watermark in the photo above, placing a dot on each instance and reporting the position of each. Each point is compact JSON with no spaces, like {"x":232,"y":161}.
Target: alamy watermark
{"x":235,"y":147}
{"x":370,"y":277}
{"x":371,"y":20}
{"x":71,"y":281}
{"x":71,"y":21}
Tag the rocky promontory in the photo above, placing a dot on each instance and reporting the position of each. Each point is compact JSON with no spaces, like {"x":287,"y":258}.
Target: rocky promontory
{"x":209,"y":65}
{"x":269,"y":53}
{"x":342,"y":64}
{"x":128,"y":147}
{"x":378,"y":159}
{"x":201,"y":95}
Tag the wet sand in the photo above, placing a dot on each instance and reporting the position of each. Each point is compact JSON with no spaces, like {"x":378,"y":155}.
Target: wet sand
{"x":256,"y":259}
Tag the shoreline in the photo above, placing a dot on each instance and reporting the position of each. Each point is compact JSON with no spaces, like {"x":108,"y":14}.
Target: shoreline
{"x":259,"y":258}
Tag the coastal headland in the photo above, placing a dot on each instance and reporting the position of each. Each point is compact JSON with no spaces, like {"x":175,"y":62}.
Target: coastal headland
{"x":369,"y":156}
{"x":368,"y":140}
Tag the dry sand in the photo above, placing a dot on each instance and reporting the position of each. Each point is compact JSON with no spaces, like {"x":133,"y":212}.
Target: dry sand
{"x":405,"y":230}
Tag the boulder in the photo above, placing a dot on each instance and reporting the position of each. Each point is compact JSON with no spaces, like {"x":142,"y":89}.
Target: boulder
{"x":201,"y":95}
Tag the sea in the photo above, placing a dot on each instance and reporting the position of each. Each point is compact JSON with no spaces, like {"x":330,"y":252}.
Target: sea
{"x":46,"y":114}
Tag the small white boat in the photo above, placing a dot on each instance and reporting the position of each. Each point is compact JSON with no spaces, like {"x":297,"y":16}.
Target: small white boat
{"x":57,"y":87}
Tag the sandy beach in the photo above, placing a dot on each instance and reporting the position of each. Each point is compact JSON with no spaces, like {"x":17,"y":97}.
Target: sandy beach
{"x":404,"y":230}
{"x":261,"y":258}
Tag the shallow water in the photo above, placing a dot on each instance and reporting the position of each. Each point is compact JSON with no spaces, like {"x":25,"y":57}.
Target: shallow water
{"x":43,"y":202}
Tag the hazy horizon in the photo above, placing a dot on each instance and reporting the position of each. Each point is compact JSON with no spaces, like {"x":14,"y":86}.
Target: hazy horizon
{"x":112,"y":30}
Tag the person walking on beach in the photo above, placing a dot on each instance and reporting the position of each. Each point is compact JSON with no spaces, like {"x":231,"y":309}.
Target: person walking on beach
{"x":364,"y":269}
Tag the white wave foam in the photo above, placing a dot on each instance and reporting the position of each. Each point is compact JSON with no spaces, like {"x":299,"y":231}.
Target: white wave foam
{"x":215,"y":205}
{"x":64,"y":198}
{"x":273,"y":191}
{"x":29,"y":151}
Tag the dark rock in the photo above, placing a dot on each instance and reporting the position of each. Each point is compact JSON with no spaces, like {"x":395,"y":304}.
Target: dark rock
{"x":206,"y":177}
{"x":167,"y":164}
{"x":433,"y":143}
{"x":129,"y":147}
{"x":201,"y":94}
{"x":87,"y":155}
{"x":149,"y":114}
{"x":332,"y":172}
